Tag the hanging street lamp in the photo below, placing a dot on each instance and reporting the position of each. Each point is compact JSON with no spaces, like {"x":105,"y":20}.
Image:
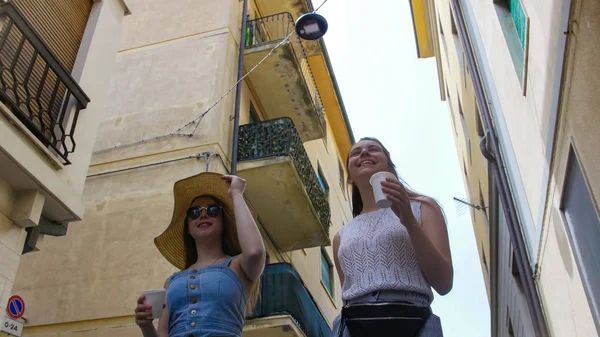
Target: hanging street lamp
{"x":311,"y":26}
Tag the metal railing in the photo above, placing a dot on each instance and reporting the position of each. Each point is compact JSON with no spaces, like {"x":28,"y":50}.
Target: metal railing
{"x":35,"y":86}
{"x":279,"y":137}
{"x":270,"y":30}
{"x":283,"y":293}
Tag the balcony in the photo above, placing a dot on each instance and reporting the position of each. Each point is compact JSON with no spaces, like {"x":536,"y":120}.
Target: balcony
{"x":295,"y":7}
{"x":35,"y":87}
{"x":284,"y":83}
{"x":285,"y":307}
{"x":282,"y":185}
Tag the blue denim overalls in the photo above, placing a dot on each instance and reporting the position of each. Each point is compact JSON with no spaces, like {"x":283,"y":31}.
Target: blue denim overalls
{"x":206,"y":302}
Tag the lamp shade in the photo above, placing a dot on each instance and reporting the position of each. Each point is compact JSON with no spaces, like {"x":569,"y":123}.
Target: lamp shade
{"x":311,"y":26}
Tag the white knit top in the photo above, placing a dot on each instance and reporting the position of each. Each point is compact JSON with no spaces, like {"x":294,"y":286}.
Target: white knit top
{"x":376,"y":254}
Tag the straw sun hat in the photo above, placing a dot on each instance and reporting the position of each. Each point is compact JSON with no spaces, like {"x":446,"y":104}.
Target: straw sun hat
{"x":170,"y":242}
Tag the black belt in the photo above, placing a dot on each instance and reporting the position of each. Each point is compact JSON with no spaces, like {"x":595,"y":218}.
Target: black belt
{"x":384,"y":319}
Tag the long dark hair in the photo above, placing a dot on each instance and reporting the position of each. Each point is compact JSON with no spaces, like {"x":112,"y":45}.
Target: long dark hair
{"x":357,"y":202}
{"x":191,"y":253}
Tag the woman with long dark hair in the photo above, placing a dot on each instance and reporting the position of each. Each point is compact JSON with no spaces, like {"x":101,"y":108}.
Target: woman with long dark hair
{"x":388,"y":259}
{"x":213,"y":239}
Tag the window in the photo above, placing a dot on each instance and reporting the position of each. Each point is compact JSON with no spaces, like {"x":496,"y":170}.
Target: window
{"x":443,"y":39}
{"x":253,"y":115}
{"x":452,"y":22}
{"x":465,"y":131}
{"x":480,"y":131}
{"x":483,"y":209}
{"x":468,"y":186}
{"x":485,"y":263}
{"x":342,"y":177}
{"x":451,"y":110}
{"x":460,"y":55}
{"x":583,"y":226}
{"x":322,"y":181}
{"x":464,"y":67}
{"x":511,"y":331}
{"x":326,"y":272}
{"x":325,"y":135}
{"x":515,"y":269}
{"x":515,"y":26}
{"x":348,"y":194}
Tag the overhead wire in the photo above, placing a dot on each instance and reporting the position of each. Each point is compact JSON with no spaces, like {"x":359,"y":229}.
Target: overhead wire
{"x":196,"y":121}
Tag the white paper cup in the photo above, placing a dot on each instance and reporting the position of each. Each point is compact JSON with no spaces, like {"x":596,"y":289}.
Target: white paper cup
{"x":156,"y":298}
{"x":380,"y":198}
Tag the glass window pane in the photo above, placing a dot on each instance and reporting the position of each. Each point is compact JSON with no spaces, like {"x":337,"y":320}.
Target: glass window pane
{"x":584,"y":225}
{"x":322,"y":181}
{"x":325,"y":275}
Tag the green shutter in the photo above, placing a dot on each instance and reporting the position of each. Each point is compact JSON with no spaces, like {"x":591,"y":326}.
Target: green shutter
{"x":325,"y":276}
{"x":322,"y":181}
{"x":518,"y":15}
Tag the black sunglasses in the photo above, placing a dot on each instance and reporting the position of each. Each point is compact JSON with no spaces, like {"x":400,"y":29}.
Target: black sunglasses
{"x":212,"y":211}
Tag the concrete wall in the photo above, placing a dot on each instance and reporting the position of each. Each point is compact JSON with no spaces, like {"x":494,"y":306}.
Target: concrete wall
{"x":527,"y":120}
{"x":567,"y":308}
{"x":27,"y":164}
{"x":461,"y":98}
{"x":166,"y":74}
{"x":526,"y":111}
{"x":171,"y":67}
{"x":12,"y":238}
{"x":169,"y":71}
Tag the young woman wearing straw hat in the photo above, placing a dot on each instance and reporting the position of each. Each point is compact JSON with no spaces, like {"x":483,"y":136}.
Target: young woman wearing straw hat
{"x":213,"y":239}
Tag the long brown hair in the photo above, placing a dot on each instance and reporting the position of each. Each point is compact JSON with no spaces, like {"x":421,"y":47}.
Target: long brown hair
{"x":191,"y":254}
{"x":357,"y":202}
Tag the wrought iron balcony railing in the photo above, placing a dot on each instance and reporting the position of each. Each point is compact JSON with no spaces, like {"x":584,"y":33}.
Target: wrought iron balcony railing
{"x":35,"y":86}
{"x":271,"y":30}
{"x":283,"y":293}
{"x":279,"y":137}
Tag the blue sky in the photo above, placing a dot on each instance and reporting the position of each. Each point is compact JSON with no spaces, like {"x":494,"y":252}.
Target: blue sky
{"x":391,"y":94}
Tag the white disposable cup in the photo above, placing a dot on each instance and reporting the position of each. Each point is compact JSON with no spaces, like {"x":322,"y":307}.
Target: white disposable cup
{"x":156,"y":298}
{"x":380,"y":198}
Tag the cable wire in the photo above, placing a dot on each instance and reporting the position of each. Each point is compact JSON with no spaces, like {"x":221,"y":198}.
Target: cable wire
{"x":196,"y":121}
{"x":320,"y":6}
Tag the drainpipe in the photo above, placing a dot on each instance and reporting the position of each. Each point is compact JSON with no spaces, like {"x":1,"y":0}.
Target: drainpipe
{"x":238,"y":91}
{"x":496,"y":161}
{"x":494,"y":253}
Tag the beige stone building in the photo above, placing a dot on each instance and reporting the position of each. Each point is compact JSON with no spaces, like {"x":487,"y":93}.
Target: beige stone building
{"x":56,"y":61}
{"x":520,"y":78}
{"x":174,"y":61}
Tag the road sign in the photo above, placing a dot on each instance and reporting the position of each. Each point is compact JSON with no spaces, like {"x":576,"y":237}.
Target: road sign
{"x":11,"y":327}
{"x":16,"y":307}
